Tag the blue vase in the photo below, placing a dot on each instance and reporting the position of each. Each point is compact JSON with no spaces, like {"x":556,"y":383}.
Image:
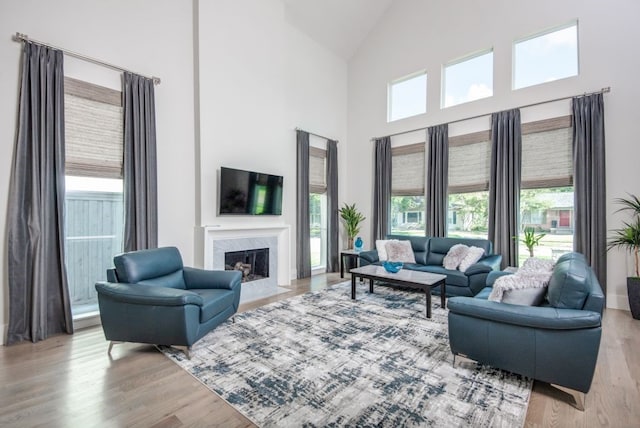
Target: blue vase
{"x":357,"y":244}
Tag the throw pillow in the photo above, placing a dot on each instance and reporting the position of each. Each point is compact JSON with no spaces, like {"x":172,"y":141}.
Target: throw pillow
{"x":382,"y":250}
{"x":473,"y":255}
{"x":400,"y":251}
{"x":454,"y":256}
{"x":522,"y":288}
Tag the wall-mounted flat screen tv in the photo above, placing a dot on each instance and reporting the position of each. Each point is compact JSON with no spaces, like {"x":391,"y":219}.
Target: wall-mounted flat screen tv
{"x":249,"y":193}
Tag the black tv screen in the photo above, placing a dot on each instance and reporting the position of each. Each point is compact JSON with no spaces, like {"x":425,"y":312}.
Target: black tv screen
{"x":249,"y":193}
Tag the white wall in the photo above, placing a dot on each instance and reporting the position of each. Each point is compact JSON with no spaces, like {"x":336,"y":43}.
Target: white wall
{"x":259,"y":78}
{"x":152,"y":37}
{"x":415,"y":35}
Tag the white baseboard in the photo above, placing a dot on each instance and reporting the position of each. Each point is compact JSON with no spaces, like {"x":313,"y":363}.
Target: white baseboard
{"x":89,"y":320}
{"x":3,"y":338}
{"x":618,"y":301}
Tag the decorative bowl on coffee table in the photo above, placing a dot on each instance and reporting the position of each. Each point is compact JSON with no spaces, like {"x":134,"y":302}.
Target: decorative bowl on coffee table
{"x":392,"y":267}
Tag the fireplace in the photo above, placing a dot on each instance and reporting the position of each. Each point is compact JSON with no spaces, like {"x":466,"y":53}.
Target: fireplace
{"x":254,"y":263}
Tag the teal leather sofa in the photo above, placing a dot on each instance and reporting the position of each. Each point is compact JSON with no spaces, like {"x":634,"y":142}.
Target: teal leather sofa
{"x":556,"y":342}
{"x":152,"y":298}
{"x":429,"y":254}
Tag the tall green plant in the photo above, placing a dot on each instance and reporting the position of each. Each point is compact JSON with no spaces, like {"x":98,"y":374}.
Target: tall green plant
{"x":628,"y":236}
{"x":530,"y":239}
{"x":352,"y":219}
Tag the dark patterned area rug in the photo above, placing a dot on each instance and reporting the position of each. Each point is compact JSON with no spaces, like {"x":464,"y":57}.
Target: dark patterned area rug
{"x":321,"y":359}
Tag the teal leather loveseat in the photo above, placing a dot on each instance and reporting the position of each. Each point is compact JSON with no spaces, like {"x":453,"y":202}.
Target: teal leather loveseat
{"x":152,"y":298}
{"x":556,"y":342}
{"x":429,"y":253}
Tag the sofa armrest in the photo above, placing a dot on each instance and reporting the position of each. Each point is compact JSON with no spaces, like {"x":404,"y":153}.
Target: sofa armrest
{"x":211,"y":279}
{"x":369,"y":257}
{"x":151,"y":295}
{"x":526,"y":316}
{"x":492,"y":261}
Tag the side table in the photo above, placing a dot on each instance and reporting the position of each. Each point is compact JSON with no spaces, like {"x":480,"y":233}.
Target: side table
{"x":351,"y":255}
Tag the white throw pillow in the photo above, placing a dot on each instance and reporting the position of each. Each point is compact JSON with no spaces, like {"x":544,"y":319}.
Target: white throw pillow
{"x":382,"y":250}
{"x":400,"y":251}
{"x":522,"y":288}
{"x":454,"y":256}
{"x":473,"y":255}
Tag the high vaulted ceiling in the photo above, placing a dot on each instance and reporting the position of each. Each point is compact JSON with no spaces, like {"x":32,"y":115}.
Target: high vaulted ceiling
{"x":340,"y":25}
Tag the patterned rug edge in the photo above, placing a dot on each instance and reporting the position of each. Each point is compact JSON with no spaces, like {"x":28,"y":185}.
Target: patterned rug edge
{"x":161,"y":349}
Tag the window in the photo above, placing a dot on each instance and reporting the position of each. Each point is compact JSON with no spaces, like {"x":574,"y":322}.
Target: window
{"x":407,"y":97}
{"x":94,"y":215}
{"x":546,"y":196}
{"x":407,"y":189}
{"x":318,"y":206}
{"x":468,"y":79}
{"x":469,"y":168}
{"x":546,"y":57}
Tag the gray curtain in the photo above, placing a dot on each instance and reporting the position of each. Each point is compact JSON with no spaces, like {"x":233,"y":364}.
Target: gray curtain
{"x":504,"y":184}
{"x":333,"y":232}
{"x":140,"y":164}
{"x":437,"y":180}
{"x":39,"y":304}
{"x":381,"y":188}
{"x":303,"y":243}
{"x":590,"y":236}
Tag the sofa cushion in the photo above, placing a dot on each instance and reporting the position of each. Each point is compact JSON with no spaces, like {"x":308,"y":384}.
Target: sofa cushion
{"x":570,"y":283}
{"x":455,"y":256}
{"x":473,"y":255}
{"x":215,"y":301}
{"x":400,"y":251}
{"x":454,"y":277}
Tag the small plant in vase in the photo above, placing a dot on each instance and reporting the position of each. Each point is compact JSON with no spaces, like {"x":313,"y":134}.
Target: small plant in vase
{"x":628,"y":238}
{"x":530,"y":239}
{"x":352,"y":219}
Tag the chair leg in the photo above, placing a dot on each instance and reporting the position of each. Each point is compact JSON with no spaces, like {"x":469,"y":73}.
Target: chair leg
{"x":185,"y":349}
{"x":454,"y":361}
{"x":233,"y":319}
{"x":578,"y":397}
{"x":111,"y":343}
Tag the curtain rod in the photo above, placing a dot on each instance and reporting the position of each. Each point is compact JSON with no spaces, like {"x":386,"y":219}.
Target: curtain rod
{"x":19,"y":37}
{"x":317,"y":135}
{"x":601,"y":91}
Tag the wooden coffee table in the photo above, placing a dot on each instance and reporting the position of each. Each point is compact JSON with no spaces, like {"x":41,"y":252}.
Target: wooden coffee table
{"x":409,"y":278}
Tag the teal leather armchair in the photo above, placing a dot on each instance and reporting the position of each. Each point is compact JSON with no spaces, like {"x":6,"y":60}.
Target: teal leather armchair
{"x":152,"y":298}
{"x":556,"y":342}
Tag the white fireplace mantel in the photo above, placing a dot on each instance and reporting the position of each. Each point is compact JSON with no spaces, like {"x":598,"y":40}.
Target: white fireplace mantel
{"x":211,"y":234}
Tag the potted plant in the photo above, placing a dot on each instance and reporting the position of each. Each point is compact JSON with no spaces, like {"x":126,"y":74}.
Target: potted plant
{"x":530,"y":239}
{"x":352,"y":219}
{"x":628,"y":238}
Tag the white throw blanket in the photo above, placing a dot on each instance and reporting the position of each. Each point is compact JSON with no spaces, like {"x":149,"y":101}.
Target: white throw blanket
{"x":534,"y":273}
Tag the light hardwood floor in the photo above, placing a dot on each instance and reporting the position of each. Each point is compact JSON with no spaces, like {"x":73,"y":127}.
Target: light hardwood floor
{"x":70,"y":381}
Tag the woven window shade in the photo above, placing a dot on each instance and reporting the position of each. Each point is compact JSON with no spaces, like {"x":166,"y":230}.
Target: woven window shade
{"x":407,"y":170}
{"x":317,"y":173}
{"x":93,"y":130}
{"x":547,"y":159}
{"x":469,"y":162}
